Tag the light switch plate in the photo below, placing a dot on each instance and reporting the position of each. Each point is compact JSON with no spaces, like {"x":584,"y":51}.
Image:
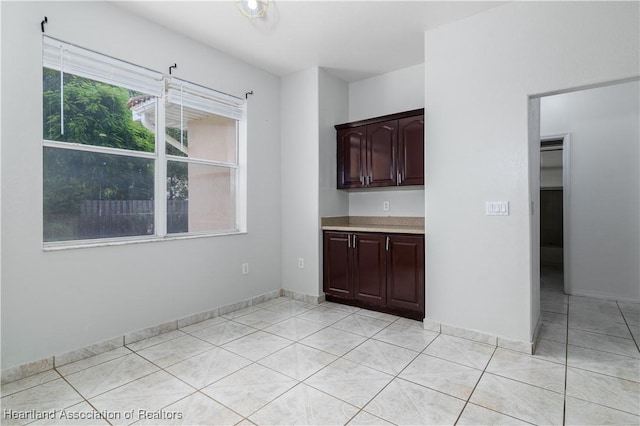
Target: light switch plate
{"x":497,"y":208}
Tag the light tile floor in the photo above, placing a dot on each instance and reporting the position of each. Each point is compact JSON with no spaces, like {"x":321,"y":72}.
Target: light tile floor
{"x":284,"y":362}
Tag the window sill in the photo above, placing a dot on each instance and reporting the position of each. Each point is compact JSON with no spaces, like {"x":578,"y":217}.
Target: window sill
{"x":72,"y":245}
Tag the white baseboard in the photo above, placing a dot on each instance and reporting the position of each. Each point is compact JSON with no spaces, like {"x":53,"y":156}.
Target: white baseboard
{"x":302,"y":297}
{"x":480,"y":337}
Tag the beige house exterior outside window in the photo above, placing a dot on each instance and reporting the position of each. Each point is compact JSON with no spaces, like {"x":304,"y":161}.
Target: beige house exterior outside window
{"x":212,"y":189}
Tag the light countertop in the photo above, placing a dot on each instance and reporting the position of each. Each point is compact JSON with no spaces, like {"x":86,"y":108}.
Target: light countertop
{"x":381,"y":224}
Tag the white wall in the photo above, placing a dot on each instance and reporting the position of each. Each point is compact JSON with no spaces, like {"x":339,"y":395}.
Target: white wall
{"x":397,"y":91}
{"x":402,"y":202}
{"x":479,"y":73}
{"x":313,"y":101}
{"x":300,"y":181}
{"x":333,"y":109}
{"x":604,"y":186}
{"x":54,"y":302}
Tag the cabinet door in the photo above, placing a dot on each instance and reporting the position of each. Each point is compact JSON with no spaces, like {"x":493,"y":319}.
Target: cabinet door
{"x":382,"y":146}
{"x":369,"y":268}
{"x":337,"y":280}
{"x":411,"y":150}
{"x":351,"y":157}
{"x":405,"y":272}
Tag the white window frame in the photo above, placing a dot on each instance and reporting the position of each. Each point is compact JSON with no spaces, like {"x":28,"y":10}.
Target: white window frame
{"x":236,"y":108}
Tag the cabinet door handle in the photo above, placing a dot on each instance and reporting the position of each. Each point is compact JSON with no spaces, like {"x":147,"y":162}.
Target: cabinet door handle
{"x":348,"y":241}
{"x":354,"y":241}
{"x":399,"y":178}
{"x":361,"y":180}
{"x":387,"y":244}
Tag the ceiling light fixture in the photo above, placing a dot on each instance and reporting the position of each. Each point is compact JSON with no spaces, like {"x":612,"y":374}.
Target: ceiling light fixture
{"x":253,"y":8}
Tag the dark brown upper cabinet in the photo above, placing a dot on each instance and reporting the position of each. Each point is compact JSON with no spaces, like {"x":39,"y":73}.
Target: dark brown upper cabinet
{"x":352,"y":145}
{"x":411,"y":150}
{"x":382,"y":152}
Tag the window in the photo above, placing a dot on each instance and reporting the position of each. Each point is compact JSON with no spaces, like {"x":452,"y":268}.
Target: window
{"x":130,"y":153}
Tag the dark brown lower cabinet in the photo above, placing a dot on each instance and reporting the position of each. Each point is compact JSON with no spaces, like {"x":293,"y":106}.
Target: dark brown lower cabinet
{"x":405,"y":272}
{"x":337,"y":265}
{"x":383,"y":272}
{"x":369,"y":282}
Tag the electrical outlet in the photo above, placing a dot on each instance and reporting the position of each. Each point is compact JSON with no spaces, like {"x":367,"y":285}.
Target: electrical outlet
{"x":245,"y":269}
{"x":300,"y":262}
{"x":385,"y":206}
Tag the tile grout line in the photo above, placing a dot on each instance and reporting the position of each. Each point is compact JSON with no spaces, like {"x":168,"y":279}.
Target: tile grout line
{"x":566,"y":365}
{"x":475,"y":386}
{"x":156,"y":344}
{"x":95,"y":365}
{"x":607,"y":407}
{"x":119,"y":386}
{"x":526,"y":383}
{"x":603,"y":334}
{"x":84,"y":398}
{"x":459,"y":363}
{"x":628,"y":326}
{"x":32,"y":386}
{"x":468,"y":401}
{"x":603,"y":351}
{"x":566,"y":345}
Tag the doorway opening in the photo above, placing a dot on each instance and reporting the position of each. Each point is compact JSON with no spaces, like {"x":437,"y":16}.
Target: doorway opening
{"x":597,"y":258}
{"x":554,"y":195}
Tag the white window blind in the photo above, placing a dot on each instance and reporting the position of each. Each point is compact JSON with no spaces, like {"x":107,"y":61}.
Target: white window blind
{"x":191,"y":96}
{"x":71,"y":59}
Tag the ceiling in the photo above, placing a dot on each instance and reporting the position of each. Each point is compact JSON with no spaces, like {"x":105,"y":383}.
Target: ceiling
{"x":352,"y":39}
